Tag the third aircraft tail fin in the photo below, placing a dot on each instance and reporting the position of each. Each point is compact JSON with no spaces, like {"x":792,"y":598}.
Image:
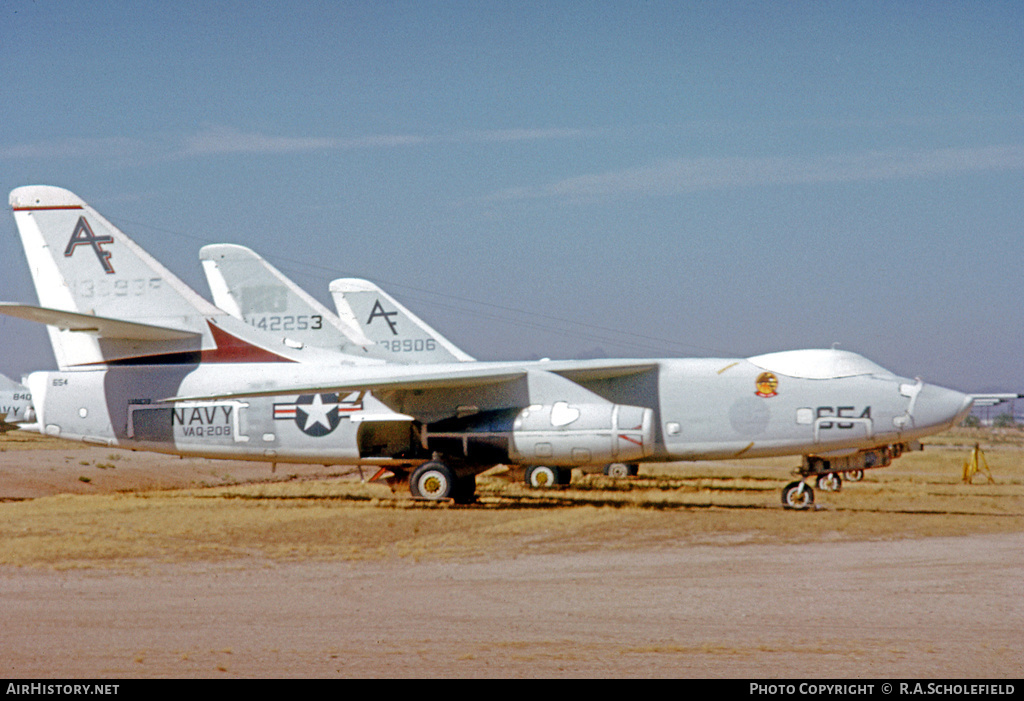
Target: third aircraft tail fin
{"x":400,"y":335}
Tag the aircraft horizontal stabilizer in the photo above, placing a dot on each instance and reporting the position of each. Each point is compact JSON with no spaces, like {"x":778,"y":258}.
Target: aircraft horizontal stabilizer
{"x":99,"y":326}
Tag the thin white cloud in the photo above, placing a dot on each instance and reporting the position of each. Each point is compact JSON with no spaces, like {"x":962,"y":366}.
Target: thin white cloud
{"x":506,"y":135}
{"x":114,"y":147}
{"x":694,"y":174}
{"x":226,"y":140}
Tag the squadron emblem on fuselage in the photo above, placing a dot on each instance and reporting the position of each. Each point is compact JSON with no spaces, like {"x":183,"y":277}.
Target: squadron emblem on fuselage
{"x":767,"y":385}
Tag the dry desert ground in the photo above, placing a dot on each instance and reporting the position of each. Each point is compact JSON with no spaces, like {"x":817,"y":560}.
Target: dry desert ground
{"x":116,"y":564}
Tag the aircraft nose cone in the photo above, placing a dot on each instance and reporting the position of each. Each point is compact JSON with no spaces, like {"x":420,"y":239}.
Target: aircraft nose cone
{"x":940,"y":407}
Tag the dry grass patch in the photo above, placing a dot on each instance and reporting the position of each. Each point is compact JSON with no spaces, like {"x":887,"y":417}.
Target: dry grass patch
{"x":719,"y":503}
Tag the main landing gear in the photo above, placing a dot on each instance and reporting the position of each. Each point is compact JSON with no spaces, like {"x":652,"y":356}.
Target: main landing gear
{"x":437,"y":481}
{"x":622,"y":469}
{"x":541,"y":476}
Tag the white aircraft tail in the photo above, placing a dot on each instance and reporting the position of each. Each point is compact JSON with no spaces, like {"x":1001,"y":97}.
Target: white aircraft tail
{"x":369,"y":323}
{"x":249,"y":288}
{"x":106,"y":300}
{"x":400,"y":335}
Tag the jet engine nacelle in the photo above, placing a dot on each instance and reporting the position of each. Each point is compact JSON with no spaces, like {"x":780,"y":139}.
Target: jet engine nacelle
{"x":564,"y":434}
{"x":557,"y":434}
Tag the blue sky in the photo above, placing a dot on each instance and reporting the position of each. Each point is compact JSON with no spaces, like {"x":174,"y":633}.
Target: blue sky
{"x":559,"y":179}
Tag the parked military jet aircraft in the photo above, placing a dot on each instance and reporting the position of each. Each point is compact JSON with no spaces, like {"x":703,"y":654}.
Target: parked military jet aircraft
{"x":15,"y":404}
{"x":146,"y":363}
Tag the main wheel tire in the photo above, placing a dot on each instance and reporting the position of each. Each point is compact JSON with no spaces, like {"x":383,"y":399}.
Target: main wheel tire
{"x":620,"y":469}
{"x":541,"y":476}
{"x":432,"y":480}
{"x":831,"y":482}
{"x":797,"y":495}
{"x":854,"y":475}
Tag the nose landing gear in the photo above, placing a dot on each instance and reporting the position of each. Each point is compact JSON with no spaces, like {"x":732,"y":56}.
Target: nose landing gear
{"x":798,"y":495}
{"x":830,"y":482}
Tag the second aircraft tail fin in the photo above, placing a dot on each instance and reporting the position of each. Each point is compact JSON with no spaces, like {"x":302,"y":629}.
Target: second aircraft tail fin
{"x":246,"y":286}
{"x":368,"y":323}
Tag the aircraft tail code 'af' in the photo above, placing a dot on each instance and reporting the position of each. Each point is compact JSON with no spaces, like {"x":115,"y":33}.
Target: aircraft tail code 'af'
{"x":400,"y":335}
{"x":369,"y":323}
{"x":105,"y":299}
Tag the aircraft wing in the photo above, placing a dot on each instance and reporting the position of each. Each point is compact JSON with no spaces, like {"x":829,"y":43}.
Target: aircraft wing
{"x":400,"y":382}
{"x":442,"y":391}
{"x":993,"y":399}
{"x":103,"y":327}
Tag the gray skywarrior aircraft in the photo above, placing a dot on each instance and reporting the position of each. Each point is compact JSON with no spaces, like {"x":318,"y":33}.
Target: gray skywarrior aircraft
{"x":146,"y":363}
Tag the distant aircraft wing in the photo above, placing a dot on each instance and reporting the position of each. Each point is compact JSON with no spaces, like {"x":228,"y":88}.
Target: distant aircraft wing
{"x":993,"y":399}
{"x":102,"y":327}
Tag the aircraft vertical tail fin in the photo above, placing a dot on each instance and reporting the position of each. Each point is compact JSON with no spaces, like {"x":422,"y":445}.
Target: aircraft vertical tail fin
{"x":103,"y":297}
{"x":369,"y":322}
{"x":400,"y":335}
{"x":249,"y":288}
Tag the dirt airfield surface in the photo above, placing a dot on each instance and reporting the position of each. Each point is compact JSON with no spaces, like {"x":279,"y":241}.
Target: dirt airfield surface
{"x":118,"y":564}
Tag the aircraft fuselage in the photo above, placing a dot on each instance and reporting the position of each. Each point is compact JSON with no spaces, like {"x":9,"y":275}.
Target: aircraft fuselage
{"x":671,"y":409}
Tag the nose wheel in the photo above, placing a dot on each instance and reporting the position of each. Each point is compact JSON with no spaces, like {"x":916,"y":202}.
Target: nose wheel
{"x":831,"y":482}
{"x":798,"y":495}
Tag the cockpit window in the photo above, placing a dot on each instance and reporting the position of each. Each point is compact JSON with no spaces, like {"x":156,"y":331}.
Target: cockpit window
{"x":818,"y":364}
